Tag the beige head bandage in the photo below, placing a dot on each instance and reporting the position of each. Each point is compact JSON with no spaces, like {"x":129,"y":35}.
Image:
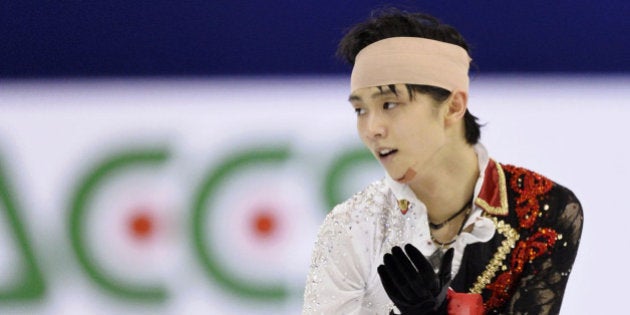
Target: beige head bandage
{"x":411,"y":60}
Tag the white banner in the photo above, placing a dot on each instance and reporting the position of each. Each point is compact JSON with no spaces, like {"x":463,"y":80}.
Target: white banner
{"x":203,"y":196}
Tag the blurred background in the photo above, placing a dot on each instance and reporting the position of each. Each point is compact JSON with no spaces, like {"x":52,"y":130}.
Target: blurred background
{"x":178,"y":157}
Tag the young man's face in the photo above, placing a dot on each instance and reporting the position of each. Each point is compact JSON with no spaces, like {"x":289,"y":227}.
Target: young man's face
{"x":405,"y":135}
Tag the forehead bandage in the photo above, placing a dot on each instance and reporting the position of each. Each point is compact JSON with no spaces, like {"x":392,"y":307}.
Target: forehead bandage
{"x":411,"y":60}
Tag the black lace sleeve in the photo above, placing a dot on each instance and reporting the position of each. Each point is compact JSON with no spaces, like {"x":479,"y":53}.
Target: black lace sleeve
{"x":541,"y":287}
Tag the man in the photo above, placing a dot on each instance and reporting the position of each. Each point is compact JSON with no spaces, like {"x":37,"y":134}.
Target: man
{"x":448,"y":224}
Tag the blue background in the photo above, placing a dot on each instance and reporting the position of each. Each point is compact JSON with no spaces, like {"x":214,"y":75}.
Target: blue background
{"x":207,"y":38}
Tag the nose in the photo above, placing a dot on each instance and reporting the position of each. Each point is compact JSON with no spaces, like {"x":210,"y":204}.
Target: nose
{"x":376,"y":126}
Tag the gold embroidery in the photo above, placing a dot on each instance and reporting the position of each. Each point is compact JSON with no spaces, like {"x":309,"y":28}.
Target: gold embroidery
{"x":511,"y":236}
{"x":503,"y":209}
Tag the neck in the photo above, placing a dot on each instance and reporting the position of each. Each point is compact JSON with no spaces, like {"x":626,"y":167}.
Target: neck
{"x":449,"y":182}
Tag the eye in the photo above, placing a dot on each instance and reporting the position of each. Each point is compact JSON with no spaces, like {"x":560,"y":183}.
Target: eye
{"x":360,"y":111}
{"x":389,"y":105}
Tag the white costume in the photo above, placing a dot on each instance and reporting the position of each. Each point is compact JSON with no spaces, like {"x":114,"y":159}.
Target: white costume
{"x":357,"y":233}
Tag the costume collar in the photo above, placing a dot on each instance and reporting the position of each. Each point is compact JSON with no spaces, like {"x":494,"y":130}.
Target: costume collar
{"x":492,"y":197}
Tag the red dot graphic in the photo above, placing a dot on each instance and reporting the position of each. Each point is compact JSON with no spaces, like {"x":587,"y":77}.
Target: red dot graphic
{"x":141,"y":225}
{"x":264,"y":224}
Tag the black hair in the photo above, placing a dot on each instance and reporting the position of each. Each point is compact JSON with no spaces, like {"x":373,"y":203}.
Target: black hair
{"x":393,"y":22}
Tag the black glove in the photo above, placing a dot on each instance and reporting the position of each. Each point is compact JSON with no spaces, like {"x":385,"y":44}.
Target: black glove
{"x":411,"y":283}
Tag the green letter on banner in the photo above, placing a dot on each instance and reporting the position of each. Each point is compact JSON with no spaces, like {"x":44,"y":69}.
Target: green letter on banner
{"x":83,"y":196}
{"x":31,"y":283}
{"x":203,"y":203}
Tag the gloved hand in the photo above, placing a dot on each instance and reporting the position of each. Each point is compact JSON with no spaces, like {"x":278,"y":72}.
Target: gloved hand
{"x":411,"y":283}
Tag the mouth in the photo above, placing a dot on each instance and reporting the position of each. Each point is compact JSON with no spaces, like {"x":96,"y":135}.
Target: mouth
{"x":384,"y":153}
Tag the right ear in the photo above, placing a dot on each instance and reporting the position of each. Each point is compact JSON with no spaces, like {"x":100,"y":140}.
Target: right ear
{"x":456,"y":104}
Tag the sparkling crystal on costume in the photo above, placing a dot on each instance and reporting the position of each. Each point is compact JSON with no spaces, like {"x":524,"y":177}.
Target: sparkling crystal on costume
{"x":528,"y":187}
{"x":349,"y":233}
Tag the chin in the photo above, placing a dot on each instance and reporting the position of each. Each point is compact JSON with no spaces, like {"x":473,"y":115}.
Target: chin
{"x":396,"y":175}
{"x":392,"y":175}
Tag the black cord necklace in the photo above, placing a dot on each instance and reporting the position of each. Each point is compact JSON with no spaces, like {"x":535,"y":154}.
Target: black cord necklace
{"x":436,"y":258}
{"x":461,"y":228}
{"x":441,"y":225}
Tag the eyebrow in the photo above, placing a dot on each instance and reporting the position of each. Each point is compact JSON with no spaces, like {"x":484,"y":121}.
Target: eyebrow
{"x":380,"y":93}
